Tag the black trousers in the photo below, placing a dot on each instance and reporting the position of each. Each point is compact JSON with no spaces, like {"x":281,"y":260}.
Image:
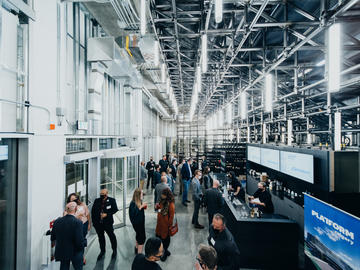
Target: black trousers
{"x":77,"y":262}
{"x":195,"y":217}
{"x":150,"y":178}
{"x":210,"y":216}
{"x":165,"y":242}
{"x":100,"y":230}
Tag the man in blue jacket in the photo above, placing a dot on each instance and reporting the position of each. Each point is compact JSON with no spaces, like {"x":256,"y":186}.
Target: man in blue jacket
{"x":69,"y":239}
{"x":186,"y":177}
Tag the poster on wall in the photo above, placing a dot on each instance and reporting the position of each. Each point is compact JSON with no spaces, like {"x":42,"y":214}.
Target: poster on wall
{"x":332,"y":236}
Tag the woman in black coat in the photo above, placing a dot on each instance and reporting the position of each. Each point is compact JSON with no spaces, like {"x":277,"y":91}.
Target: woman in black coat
{"x":137,"y":218}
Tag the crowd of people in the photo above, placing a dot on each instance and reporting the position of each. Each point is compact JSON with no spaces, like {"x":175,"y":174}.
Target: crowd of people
{"x":69,"y":232}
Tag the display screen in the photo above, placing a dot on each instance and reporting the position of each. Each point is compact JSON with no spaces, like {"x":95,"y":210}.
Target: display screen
{"x":270,"y":158}
{"x":297,"y":165}
{"x":4,"y":152}
{"x":253,"y":154}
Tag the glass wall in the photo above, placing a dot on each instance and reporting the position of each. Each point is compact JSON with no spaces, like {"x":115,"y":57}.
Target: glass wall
{"x":120,"y":177}
{"x":77,"y":179}
{"x":8,"y":202}
{"x":131,"y":177}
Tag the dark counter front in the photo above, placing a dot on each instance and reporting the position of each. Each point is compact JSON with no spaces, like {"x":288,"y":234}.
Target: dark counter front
{"x":269,"y":242}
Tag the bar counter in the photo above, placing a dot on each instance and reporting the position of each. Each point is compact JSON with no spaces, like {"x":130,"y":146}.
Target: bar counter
{"x":268,"y":242}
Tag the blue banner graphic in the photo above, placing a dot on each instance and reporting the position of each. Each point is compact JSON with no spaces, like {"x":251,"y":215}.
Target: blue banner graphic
{"x":332,"y":236}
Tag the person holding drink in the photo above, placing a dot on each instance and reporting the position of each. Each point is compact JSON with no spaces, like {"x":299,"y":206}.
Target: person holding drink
{"x":137,"y":218}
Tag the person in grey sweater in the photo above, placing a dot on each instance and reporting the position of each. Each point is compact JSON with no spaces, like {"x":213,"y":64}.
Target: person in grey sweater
{"x":197,"y":195}
{"x":159,"y":189}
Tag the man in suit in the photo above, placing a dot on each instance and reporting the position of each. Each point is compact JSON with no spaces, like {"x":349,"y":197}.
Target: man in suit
{"x":197,"y":194}
{"x":102,"y":217}
{"x":186,"y":177}
{"x":164,"y":164}
{"x":150,"y":166}
{"x":157,"y":176}
{"x":69,"y":239}
{"x":213,"y":200}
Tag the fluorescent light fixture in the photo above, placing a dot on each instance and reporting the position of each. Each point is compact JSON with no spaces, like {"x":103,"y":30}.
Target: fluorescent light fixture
{"x":334,"y":49}
{"x":220,"y":118}
{"x":198,"y":78}
{"x":204,"y":56}
{"x":269,"y":87}
{"x":142,"y":17}
{"x":243,"y":105}
{"x":321,"y":63}
{"x":218,"y":11}
{"x":229,"y":114}
{"x":156,"y":53}
{"x":163,"y":72}
{"x":168,"y":85}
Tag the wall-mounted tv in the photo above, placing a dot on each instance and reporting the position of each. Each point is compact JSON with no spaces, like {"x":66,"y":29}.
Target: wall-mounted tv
{"x":270,"y":158}
{"x":253,"y":154}
{"x":297,"y":165}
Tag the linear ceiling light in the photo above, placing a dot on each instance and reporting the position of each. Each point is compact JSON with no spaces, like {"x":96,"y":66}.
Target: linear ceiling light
{"x":142,"y":17}
{"x":163,"y":72}
{"x":218,"y":11}
{"x":198,"y":78}
{"x":156,"y":53}
{"x":269,"y":88}
{"x":229,"y":114}
{"x":204,"y":56}
{"x":243,"y":105}
{"x":334,"y":49}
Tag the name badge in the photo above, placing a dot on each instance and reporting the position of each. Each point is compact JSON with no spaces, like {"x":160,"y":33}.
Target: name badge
{"x":108,"y":207}
{"x":159,"y":210}
{"x":212,"y":241}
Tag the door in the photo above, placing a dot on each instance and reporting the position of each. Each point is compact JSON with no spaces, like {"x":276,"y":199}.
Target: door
{"x":112,"y":178}
{"x":77,"y":174}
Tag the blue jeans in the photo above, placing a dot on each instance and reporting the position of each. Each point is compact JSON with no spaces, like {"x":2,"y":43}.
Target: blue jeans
{"x":186,"y":190}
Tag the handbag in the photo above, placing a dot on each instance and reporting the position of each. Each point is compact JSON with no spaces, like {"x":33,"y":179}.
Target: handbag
{"x":174,"y":227}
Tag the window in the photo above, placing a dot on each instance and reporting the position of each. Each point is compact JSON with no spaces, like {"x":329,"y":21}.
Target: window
{"x":77,"y":179}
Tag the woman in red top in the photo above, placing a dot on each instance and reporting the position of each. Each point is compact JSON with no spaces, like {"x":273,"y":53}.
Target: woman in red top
{"x":165,"y":217}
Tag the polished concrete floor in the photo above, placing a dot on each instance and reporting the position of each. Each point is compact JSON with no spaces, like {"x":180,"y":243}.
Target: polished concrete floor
{"x":183,"y":246}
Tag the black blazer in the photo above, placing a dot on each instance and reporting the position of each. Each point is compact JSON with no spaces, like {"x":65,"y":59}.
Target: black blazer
{"x":164,"y":165}
{"x":213,"y":200}
{"x":68,"y":236}
{"x":185,"y":173}
{"x":110,"y":208}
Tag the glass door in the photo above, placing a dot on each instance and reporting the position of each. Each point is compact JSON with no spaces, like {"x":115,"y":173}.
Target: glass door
{"x":77,"y":179}
{"x":132,"y":177}
{"x":111,"y":178}
{"x":120,"y":216}
{"x":8,"y":202}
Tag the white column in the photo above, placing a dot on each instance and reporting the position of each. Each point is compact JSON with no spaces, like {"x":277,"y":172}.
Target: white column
{"x":337,"y":133}
{"x":248,"y":134}
{"x":264,"y":135}
{"x":290,"y":132}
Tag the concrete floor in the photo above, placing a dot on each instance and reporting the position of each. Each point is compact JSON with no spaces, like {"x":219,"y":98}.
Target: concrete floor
{"x":183,"y":246}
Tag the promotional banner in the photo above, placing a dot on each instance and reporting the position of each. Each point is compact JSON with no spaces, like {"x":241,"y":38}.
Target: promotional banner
{"x":331,"y":236}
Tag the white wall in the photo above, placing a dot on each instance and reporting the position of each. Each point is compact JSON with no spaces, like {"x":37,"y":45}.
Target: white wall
{"x":8,"y":78}
{"x":46,"y":148}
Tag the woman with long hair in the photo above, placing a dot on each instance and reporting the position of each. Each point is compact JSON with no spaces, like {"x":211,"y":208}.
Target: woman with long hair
{"x":83,"y":214}
{"x":137,"y":218}
{"x":165,"y":218}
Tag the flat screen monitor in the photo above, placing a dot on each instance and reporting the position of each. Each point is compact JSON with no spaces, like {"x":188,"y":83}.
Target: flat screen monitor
{"x":253,"y":154}
{"x":270,"y":158}
{"x":298,"y":165}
